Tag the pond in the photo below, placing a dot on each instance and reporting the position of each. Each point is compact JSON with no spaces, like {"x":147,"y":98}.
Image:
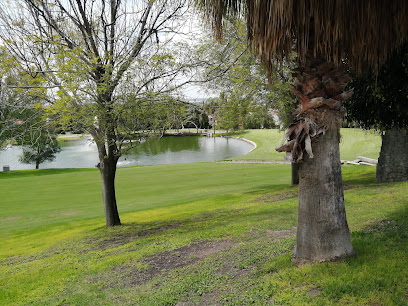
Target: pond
{"x":166,"y":150}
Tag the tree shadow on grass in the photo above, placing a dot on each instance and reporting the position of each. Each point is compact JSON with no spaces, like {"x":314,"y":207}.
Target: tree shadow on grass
{"x":380,"y":265}
{"x":375,"y":276}
{"x":358,"y":175}
{"x":42,"y":172}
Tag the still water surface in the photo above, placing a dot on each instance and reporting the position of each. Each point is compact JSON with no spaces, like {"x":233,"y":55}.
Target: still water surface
{"x":167,"y":150}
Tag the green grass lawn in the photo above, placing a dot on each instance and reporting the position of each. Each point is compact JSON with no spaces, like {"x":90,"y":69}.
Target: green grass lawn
{"x":193,"y":234}
{"x":57,"y":196}
{"x":354,"y":142}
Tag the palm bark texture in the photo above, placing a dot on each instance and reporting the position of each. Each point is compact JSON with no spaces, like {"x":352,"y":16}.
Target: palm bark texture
{"x":320,"y":88}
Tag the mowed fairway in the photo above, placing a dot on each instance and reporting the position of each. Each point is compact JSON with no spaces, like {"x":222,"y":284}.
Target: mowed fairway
{"x":57,"y":196}
{"x":195,"y":234}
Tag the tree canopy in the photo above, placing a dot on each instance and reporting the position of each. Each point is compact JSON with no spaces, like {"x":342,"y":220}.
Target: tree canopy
{"x":100,"y":61}
{"x":245,"y":96}
{"x":20,"y":105}
{"x":381,"y":101}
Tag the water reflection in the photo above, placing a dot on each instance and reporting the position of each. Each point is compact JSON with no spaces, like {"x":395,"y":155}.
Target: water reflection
{"x":167,"y":150}
{"x":155,"y":146}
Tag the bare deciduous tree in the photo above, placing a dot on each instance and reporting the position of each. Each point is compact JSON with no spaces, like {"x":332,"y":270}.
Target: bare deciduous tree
{"x":95,"y":56}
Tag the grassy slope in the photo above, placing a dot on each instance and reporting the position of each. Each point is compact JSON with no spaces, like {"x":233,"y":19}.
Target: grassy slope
{"x":73,"y":259}
{"x":354,"y":142}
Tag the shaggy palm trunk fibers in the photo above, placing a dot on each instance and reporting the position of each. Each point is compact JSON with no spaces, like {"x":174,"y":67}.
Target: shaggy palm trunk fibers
{"x":313,"y":142}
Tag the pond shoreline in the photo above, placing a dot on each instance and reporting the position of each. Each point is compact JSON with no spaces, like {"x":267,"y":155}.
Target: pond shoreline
{"x":254,"y":162}
{"x":79,"y":151}
{"x":244,"y":139}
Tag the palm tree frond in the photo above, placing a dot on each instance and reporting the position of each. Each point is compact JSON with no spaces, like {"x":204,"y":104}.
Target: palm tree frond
{"x":362,"y":32}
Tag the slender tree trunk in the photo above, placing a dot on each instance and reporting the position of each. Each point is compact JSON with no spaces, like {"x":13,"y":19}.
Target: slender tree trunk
{"x":322,"y":233}
{"x":37,"y":162}
{"x":393,"y":161}
{"x":107,"y":169}
{"x":295,"y":173}
{"x":108,"y":158}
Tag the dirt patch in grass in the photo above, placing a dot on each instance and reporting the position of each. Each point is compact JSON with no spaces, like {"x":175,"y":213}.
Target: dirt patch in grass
{"x":273,"y":197}
{"x":125,"y":238}
{"x":243,"y":262}
{"x":314,"y":291}
{"x":167,"y":261}
{"x":25,"y":259}
{"x":275,"y":235}
{"x":10,"y":219}
{"x":162,"y":265}
{"x":187,"y":255}
{"x":382,"y":226}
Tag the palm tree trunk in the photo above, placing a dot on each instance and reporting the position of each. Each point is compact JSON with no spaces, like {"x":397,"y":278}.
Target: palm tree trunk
{"x":322,"y":233}
{"x":393,"y":161}
{"x":313,"y":141}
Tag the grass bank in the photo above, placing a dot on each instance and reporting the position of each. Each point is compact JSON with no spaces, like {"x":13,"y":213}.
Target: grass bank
{"x":354,"y":142}
{"x":192,"y":234}
{"x":229,"y":244}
